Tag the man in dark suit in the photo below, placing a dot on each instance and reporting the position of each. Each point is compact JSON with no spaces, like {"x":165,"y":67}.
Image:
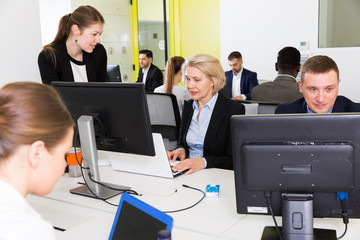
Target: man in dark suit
{"x":149,"y":74}
{"x":285,"y":87}
{"x":240,"y":80}
{"x":320,"y":86}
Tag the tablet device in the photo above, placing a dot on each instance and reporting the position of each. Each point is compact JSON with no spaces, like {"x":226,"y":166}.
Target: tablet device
{"x":136,"y":219}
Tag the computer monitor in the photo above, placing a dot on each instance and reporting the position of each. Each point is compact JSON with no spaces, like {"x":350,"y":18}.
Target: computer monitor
{"x":121,"y":117}
{"x":113,"y":73}
{"x":112,"y":117}
{"x":303,"y":165}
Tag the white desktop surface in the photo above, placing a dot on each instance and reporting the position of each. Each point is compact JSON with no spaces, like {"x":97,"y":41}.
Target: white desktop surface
{"x":252,"y":226}
{"x":212,"y":218}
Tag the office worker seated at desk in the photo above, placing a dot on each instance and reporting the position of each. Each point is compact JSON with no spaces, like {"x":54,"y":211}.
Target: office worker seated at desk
{"x":239,"y":80}
{"x":285,"y":87}
{"x":173,"y":76}
{"x":36,"y":131}
{"x":205,"y":136}
{"x":75,"y":54}
{"x":320,"y":86}
{"x":149,"y":74}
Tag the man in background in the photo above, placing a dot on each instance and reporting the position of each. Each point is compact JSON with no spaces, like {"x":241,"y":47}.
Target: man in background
{"x":240,"y":80}
{"x":149,"y":74}
{"x":285,"y":87}
{"x":320,"y":86}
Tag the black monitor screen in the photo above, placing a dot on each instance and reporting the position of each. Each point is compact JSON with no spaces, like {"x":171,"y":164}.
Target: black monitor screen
{"x":314,"y":155}
{"x":120,"y":112}
{"x":135,"y":224}
{"x":113,"y":73}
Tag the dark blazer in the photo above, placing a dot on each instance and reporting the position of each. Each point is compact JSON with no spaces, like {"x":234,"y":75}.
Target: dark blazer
{"x":217,"y":142}
{"x":283,"y":89}
{"x":247,"y":82}
{"x":154,"y":78}
{"x":342,"y":104}
{"x":96,"y":63}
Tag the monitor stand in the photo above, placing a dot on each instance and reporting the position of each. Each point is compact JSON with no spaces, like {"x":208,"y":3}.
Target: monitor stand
{"x":93,"y":186}
{"x":297,"y":220}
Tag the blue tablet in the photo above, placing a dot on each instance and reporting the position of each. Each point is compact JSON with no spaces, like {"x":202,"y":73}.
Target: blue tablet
{"x":136,"y":219}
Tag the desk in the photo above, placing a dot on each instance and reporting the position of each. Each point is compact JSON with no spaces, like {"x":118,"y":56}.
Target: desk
{"x":213,"y":218}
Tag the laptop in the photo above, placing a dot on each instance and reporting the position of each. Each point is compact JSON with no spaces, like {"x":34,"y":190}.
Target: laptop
{"x":158,"y":165}
{"x":137,"y":220}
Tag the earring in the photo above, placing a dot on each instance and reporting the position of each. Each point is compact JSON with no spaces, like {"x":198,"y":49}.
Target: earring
{"x":75,"y":40}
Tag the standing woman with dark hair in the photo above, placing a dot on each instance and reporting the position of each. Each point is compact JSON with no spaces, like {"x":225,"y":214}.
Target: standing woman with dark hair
{"x":173,"y":76}
{"x":36,"y":131}
{"x":76,"y":54}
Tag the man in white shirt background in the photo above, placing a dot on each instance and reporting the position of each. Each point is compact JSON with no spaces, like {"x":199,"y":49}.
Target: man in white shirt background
{"x":240,"y":80}
{"x":149,"y":74}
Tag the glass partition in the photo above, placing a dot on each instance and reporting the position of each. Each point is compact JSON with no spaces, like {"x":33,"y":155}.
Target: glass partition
{"x":339,"y":23}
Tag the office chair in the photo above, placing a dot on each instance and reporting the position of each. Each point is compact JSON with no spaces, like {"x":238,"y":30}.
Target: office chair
{"x":225,"y":91}
{"x":113,"y":73}
{"x":267,"y":108}
{"x":165,"y":117}
{"x":251,"y":108}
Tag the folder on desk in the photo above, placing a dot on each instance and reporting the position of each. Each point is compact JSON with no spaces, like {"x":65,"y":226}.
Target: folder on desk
{"x":137,"y":220}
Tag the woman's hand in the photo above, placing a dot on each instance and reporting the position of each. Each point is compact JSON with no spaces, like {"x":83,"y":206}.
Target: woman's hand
{"x":190,"y":165}
{"x":176,"y":154}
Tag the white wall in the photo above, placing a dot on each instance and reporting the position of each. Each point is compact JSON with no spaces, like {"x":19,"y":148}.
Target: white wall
{"x":21,"y":41}
{"x":51,"y":11}
{"x":116,"y":37}
{"x":260,"y":28}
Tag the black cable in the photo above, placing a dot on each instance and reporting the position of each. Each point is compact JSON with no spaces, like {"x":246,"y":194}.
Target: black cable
{"x":122,"y":190}
{"x":268,"y":200}
{"x":183,"y":209}
{"x":116,"y":189}
{"x":76,"y":133}
{"x":345,"y":216}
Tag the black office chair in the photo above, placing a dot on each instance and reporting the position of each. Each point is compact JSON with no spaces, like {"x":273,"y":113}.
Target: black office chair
{"x":225,"y":91}
{"x":113,"y":73}
{"x":165,"y":117}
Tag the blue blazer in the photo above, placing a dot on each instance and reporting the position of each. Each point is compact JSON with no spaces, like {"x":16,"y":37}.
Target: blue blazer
{"x":342,"y":104}
{"x":247,"y":82}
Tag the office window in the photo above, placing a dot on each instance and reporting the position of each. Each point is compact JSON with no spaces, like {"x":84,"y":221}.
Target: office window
{"x":154,"y":29}
{"x":339,"y":23}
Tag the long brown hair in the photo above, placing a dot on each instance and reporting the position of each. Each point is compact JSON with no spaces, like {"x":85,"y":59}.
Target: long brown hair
{"x":83,"y":17}
{"x":29,"y":112}
{"x":173,"y":66}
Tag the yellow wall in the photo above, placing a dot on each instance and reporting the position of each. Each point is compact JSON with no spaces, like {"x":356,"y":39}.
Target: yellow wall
{"x":150,"y":10}
{"x":199,"y":27}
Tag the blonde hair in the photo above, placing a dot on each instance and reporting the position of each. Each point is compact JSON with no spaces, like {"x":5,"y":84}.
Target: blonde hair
{"x":173,"y":66}
{"x":210,"y":66}
{"x":29,"y":112}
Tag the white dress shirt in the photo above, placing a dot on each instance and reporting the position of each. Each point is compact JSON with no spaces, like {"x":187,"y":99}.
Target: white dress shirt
{"x":18,"y":220}
{"x":79,"y":72}
{"x":236,"y":85}
{"x":145,"y":72}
